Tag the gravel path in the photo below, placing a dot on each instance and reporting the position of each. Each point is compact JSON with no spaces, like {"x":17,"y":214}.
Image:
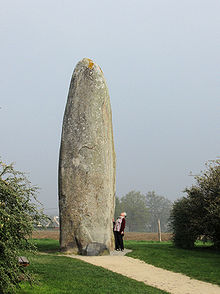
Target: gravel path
{"x":174,"y":283}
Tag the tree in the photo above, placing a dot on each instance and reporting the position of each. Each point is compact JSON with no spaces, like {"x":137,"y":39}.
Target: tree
{"x":18,"y":214}
{"x":199,"y":212}
{"x":208,"y":195}
{"x":159,"y":208}
{"x":118,"y":208}
{"x":134,"y":205}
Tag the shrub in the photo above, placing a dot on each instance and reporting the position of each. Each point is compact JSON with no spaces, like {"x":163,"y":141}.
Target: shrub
{"x":17,"y":217}
{"x":198,"y":213}
{"x":184,"y":230}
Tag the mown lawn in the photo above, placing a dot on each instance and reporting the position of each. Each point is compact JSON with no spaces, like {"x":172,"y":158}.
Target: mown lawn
{"x":202,"y":263}
{"x":58,"y":275}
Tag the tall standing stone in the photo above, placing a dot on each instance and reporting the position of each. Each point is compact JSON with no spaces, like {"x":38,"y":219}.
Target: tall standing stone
{"x":87,"y":164}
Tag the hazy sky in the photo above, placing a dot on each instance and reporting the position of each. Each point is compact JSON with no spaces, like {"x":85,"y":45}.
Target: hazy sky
{"x":161,"y":61}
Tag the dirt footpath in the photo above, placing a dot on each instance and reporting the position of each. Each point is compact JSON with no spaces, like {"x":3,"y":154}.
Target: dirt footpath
{"x":174,"y":283}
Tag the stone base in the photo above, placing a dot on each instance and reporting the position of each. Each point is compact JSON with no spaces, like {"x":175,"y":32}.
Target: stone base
{"x":95,"y":249}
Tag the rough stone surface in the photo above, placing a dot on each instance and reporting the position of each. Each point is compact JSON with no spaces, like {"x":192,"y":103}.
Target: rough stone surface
{"x":87,"y":162}
{"x":95,"y":248}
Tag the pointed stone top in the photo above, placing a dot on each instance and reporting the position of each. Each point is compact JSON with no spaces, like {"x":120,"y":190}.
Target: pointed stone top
{"x":90,"y":71}
{"x":89,"y":63}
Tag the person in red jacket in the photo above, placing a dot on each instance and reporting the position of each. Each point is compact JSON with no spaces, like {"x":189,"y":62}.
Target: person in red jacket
{"x":119,"y":231}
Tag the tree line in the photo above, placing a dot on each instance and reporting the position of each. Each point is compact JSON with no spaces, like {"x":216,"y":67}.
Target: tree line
{"x":144,"y":210}
{"x":192,"y":217}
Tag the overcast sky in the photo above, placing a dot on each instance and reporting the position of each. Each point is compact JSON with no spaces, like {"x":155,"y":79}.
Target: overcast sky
{"x":161,"y":61}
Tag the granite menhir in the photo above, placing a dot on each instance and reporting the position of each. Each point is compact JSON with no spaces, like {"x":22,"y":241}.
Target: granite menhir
{"x":87,"y":165}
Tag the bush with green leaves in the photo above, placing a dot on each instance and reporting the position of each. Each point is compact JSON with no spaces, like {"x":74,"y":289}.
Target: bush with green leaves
{"x":185,"y":232}
{"x":198,"y":214}
{"x":18,"y":214}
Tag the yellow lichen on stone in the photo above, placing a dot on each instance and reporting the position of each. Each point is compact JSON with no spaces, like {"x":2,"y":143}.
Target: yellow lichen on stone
{"x":91,"y":63}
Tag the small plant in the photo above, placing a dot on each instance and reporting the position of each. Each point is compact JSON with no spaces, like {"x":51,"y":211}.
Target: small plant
{"x":17,"y":217}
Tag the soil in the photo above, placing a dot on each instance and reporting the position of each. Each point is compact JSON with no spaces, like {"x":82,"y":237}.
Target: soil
{"x":54,"y":234}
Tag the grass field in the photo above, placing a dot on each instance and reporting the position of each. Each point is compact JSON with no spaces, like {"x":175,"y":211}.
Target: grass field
{"x":58,"y":275}
{"x":201,"y":263}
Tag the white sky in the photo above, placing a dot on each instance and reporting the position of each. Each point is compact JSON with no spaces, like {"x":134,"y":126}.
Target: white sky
{"x":161,"y":61}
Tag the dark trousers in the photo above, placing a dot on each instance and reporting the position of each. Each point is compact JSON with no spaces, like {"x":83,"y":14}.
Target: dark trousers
{"x":116,"y":240}
{"x":119,"y":244}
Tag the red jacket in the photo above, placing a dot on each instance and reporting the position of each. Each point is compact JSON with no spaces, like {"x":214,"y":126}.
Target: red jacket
{"x":122,"y":225}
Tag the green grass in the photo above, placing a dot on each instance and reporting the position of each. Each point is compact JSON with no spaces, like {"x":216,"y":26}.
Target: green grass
{"x":58,"y":275}
{"x":201,"y":263}
{"x":47,"y":245}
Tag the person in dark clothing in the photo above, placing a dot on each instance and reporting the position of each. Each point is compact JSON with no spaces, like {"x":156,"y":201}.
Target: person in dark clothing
{"x":115,"y":235}
{"x":119,"y":231}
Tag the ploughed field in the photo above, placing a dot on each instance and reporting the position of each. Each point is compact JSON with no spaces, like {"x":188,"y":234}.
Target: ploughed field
{"x":54,"y":234}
